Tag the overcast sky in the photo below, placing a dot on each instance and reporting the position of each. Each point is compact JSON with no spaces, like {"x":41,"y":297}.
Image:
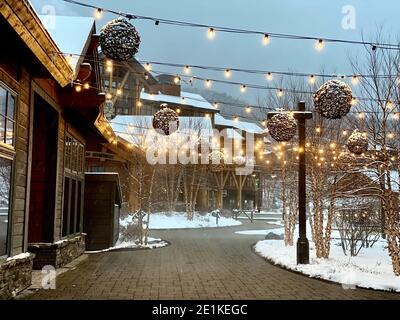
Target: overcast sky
{"x":304,"y":17}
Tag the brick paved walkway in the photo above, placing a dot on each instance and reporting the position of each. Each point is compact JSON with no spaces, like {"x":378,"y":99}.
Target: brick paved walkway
{"x":199,"y":264}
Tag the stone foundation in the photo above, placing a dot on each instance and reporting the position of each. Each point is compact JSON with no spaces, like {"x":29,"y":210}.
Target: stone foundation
{"x":59,"y":253}
{"x":15,"y":275}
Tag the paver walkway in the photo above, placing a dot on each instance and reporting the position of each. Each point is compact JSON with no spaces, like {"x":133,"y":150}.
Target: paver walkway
{"x":199,"y":264}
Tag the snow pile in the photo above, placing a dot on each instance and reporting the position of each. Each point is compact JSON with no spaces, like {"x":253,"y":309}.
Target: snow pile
{"x":256,"y":232}
{"x":372,"y":268}
{"x":178,"y":220}
{"x":152,"y":243}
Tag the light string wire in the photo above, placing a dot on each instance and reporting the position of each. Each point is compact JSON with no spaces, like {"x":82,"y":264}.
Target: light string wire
{"x":236,"y":83}
{"x":374,"y":45}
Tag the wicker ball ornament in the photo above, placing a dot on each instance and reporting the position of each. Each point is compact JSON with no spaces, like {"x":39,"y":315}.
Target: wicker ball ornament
{"x":346,"y":161}
{"x":166,"y":120}
{"x":357,"y":143}
{"x":119,"y":40}
{"x":282,"y":127}
{"x":216,"y":161}
{"x":333,"y":99}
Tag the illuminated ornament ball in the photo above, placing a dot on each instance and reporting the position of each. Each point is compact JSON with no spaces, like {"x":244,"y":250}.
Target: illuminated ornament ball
{"x":119,"y":40}
{"x":282,"y":127}
{"x":165,"y":120}
{"x":357,"y":143}
{"x":346,"y":161}
{"x":216,"y":161}
{"x":333,"y":99}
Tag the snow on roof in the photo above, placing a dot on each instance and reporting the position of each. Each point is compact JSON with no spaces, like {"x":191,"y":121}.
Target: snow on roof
{"x":186,"y":98}
{"x":394,"y":178}
{"x":241,"y":125}
{"x":71,"y":34}
{"x":139,"y":129}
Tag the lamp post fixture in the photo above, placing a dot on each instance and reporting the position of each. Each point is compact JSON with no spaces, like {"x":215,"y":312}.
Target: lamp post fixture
{"x":301,"y":115}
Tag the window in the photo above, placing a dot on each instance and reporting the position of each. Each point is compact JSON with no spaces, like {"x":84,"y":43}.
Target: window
{"x":7,"y":105}
{"x":5,"y":184}
{"x":73,"y":186}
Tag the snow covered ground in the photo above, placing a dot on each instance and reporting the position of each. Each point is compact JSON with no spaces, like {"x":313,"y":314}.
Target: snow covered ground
{"x":152,"y":244}
{"x":178,"y":220}
{"x":372,"y":268}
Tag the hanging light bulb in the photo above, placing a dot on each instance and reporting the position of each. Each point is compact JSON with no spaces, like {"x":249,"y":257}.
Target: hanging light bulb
{"x":178,"y":110}
{"x":186,"y":70}
{"x":318,"y":129}
{"x":208,"y":83}
{"x":248,"y":109}
{"x":236,"y":119}
{"x":119,"y":92}
{"x":147,"y":66}
{"x":389,"y":105}
{"x":86,"y":86}
{"x":211,"y":33}
{"x":216,"y":105}
{"x":269,"y":76}
{"x":280,"y":93}
{"x":319,"y":45}
{"x":344,"y":132}
{"x":243,"y":88}
{"x":353,"y":101}
{"x":98,"y":13}
{"x":395,"y":116}
{"x":390,"y":135}
{"x":139,"y":103}
{"x":355,"y":80}
{"x":227,"y":73}
{"x":266,"y":39}
{"x":361,"y":115}
{"x":177,"y":79}
{"x":78,"y":88}
{"x":311,"y":79}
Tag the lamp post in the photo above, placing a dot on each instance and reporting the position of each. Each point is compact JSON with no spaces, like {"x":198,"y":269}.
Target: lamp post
{"x":301,"y":115}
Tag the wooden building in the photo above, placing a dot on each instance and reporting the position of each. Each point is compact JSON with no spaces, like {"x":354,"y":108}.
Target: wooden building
{"x":49,"y":102}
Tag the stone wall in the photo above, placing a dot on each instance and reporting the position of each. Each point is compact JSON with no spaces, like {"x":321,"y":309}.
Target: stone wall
{"x":57,"y":254}
{"x":15,"y":275}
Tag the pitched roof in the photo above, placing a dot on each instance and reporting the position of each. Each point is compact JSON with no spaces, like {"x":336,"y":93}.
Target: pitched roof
{"x":186,"y":98}
{"x":241,"y":125}
{"x":72,"y":36}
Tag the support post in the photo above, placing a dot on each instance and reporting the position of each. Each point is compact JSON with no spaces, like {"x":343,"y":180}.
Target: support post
{"x":302,"y":241}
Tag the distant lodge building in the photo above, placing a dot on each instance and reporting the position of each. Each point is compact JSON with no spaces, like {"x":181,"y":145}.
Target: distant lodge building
{"x":62,"y":153}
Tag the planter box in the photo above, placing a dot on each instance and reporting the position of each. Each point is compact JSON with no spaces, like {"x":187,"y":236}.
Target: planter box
{"x":57,"y":254}
{"x":15,"y":275}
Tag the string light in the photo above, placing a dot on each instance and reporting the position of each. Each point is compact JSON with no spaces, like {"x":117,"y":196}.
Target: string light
{"x":355,"y":80}
{"x":269,"y":76}
{"x":266,"y":39}
{"x":390,"y":135}
{"x":311,"y":79}
{"x":389,"y":105}
{"x":186,"y":70}
{"x":98,"y":13}
{"x":119,"y":92}
{"x":177,"y":79}
{"x":248,"y":109}
{"x":280,"y":93}
{"x":361,"y":115}
{"x":147,"y":66}
{"x":227,"y":73}
{"x":318,"y":129}
{"x":178,"y":110}
{"x":211,"y":33}
{"x":208,"y":83}
{"x":395,"y":116}
{"x":139,"y":103}
{"x":86,"y":86}
{"x":109,"y":96}
{"x":78,"y":88}
{"x":319,"y":45}
{"x":243,"y":88}
{"x":236,"y":119}
{"x":353,"y":101}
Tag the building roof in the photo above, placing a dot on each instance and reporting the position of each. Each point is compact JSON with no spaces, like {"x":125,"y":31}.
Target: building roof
{"x":72,"y":36}
{"x":186,"y":98}
{"x":23,"y":19}
{"x":135,"y":129}
{"x":241,"y":125}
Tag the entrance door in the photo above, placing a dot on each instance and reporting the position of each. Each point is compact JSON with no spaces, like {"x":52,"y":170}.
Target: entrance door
{"x":43,"y":173}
